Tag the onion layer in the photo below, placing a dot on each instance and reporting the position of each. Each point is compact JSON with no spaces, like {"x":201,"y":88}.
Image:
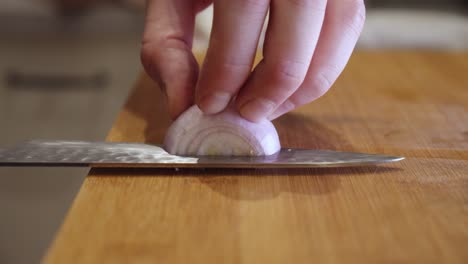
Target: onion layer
{"x":223,"y":134}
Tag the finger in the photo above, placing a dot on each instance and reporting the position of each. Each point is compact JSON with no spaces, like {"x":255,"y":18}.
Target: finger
{"x":166,"y":52}
{"x":201,"y":4}
{"x":343,"y":23}
{"x":234,"y":38}
{"x":293,"y":31}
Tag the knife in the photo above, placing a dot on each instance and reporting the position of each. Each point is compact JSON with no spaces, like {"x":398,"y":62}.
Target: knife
{"x":59,"y":153}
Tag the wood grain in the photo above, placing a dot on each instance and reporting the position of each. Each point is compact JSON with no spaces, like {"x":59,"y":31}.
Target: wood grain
{"x":401,"y":103}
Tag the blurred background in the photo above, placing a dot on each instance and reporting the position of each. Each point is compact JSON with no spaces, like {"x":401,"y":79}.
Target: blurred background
{"x":66,"y":67}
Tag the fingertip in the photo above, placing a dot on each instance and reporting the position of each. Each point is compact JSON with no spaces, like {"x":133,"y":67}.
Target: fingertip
{"x":214,"y":103}
{"x":284,"y":108}
{"x":176,"y":110}
{"x":176,"y":72}
{"x":179,"y":98}
{"x":257,"y":109}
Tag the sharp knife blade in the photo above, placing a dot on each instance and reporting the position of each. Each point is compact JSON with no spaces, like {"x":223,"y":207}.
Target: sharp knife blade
{"x":58,"y":153}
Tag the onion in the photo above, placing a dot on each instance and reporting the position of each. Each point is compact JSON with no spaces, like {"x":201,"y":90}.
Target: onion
{"x":223,"y":134}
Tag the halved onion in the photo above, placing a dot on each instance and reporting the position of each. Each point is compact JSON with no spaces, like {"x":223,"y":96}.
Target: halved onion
{"x":223,"y":134}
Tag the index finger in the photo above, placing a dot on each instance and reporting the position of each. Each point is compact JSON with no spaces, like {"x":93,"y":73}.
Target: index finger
{"x":166,"y":51}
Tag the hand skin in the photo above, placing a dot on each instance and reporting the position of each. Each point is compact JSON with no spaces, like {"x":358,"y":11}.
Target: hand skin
{"x":307,"y":45}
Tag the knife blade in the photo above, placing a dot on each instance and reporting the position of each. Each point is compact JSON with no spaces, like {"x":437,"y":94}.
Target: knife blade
{"x":58,"y":153}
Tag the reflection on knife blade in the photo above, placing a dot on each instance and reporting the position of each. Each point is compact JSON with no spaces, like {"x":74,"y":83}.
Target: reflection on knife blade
{"x":108,"y":154}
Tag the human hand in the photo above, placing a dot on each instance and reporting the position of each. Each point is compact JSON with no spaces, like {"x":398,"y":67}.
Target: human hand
{"x":307,"y":45}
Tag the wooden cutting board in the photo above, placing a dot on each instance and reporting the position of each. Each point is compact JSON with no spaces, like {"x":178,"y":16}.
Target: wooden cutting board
{"x":412,"y":104}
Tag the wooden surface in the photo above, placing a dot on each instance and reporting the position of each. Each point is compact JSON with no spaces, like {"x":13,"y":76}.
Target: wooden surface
{"x":415,"y":211}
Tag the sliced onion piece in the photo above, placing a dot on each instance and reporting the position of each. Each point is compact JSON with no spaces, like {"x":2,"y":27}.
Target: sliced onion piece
{"x":223,"y":134}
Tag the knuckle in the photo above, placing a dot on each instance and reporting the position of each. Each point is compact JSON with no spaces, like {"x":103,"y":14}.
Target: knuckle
{"x":290,"y":105}
{"x":146,"y":58}
{"x":235,"y":67}
{"x":153,"y":50}
{"x":323,"y":80}
{"x":288,"y":74}
{"x":228,"y":71}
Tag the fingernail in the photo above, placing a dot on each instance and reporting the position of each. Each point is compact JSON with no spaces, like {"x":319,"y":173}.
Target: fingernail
{"x":215,"y":102}
{"x":257,"y":109}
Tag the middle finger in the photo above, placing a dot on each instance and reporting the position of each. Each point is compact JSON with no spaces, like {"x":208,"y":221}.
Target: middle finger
{"x":292,"y":34}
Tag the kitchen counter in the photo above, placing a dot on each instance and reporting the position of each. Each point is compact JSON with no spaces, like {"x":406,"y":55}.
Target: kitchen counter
{"x":412,"y":104}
